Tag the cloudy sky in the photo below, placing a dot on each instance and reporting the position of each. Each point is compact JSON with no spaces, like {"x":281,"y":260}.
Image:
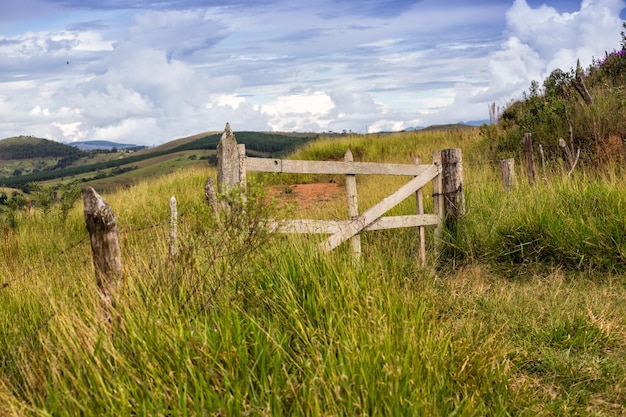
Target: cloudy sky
{"x":139,"y":71}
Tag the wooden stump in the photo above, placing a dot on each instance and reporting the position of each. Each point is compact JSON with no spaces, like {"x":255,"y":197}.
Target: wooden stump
{"x":228,"y":162}
{"x":507,"y":167}
{"x":107,"y":259}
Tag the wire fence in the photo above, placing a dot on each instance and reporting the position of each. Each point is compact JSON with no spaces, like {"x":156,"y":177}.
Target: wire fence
{"x":19,"y":343}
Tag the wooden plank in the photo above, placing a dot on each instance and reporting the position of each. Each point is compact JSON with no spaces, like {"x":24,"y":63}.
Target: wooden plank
{"x":305,"y":226}
{"x":288,"y":166}
{"x":379,"y":209}
{"x":353,"y":205}
{"x":332,"y":226}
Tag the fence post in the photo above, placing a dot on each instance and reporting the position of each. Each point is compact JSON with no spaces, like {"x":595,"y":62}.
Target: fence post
{"x":438,"y":200}
{"x":353,"y":204}
{"x":228,"y":162}
{"x":531,"y":170}
{"x":211,"y":197}
{"x":173,"y":227}
{"x":107,"y":260}
{"x":452,"y":187}
{"x":241,"y":153}
{"x":419,"y":202}
{"x":507,"y":167}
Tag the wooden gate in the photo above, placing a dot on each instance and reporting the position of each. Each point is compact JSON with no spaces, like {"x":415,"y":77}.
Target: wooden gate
{"x":233,"y":156}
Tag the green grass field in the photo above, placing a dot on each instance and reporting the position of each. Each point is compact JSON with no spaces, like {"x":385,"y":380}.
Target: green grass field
{"x":523,"y":314}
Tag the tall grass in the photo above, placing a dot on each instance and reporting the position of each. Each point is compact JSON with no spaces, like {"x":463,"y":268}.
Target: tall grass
{"x":575,"y":223}
{"x":269,"y":325}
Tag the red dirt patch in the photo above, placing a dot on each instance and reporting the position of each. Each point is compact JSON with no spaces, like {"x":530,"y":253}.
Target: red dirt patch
{"x":307,"y":195}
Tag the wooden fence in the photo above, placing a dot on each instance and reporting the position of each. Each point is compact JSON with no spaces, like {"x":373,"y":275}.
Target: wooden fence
{"x":445,"y":172}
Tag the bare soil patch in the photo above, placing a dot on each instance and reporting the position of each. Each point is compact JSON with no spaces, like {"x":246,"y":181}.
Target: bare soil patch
{"x":307,"y":195}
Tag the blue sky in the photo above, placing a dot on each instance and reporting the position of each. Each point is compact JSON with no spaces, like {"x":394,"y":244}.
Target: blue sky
{"x":139,"y":71}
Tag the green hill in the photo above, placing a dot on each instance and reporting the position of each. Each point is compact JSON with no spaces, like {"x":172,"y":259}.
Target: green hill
{"x":28,"y":147}
{"x":93,"y":164}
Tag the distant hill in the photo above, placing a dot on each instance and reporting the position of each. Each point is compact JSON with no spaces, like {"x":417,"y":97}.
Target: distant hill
{"x":460,"y":125}
{"x":90,"y":145}
{"x":28,"y":147}
{"x":476,"y":122}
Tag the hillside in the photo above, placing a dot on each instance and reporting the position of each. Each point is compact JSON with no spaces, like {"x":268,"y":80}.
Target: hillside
{"x":97,"y":168}
{"x":28,"y":147}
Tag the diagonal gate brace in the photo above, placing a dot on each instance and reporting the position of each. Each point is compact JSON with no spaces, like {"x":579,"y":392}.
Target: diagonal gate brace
{"x":374,"y":212}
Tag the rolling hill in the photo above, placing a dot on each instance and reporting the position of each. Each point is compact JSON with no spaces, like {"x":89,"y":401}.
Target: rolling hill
{"x":27,"y":147}
{"x":28,"y":161}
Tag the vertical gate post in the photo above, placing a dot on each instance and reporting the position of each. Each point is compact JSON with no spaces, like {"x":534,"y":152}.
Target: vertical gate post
{"x":438,"y":200}
{"x":353,"y":204}
{"x":452,"y":187}
{"x":107,"y":259}
{"x":419,"y":202}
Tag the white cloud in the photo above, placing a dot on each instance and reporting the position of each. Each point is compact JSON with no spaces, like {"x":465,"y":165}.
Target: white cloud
{"x":539,"y":40}
{"x":151,"y":76}
{"x":127,"y":129}
{"x":70,"y":131}
{"x":301,"y":111}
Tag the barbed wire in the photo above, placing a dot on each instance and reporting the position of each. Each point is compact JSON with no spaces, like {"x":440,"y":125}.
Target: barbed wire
{"x":27,"y":338}
{"x":71,"y":247}
{"x":42,"y":263}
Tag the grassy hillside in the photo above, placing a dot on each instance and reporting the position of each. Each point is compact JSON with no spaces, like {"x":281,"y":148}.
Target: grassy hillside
{"x":26,"y":147}
{"x":507,"y":321}
{"x":94,"y":166}
{"x":571,"y":111}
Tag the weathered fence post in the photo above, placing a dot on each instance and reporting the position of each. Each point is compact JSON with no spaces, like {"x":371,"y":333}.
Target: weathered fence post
{"x":543,"y":163}
{"x":438,"y":200}
{"x":107,"y":259}
{"x":228,"y":162}
{"x":419,"y":202}
{"x":173,"y":227}
{"x":507,"y":167}
{"x":211,"y":197}
{"x":452,"y":187}
{"x":241,"y":152}
{"x":531,"y":170}
{"x":353,"y":204}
